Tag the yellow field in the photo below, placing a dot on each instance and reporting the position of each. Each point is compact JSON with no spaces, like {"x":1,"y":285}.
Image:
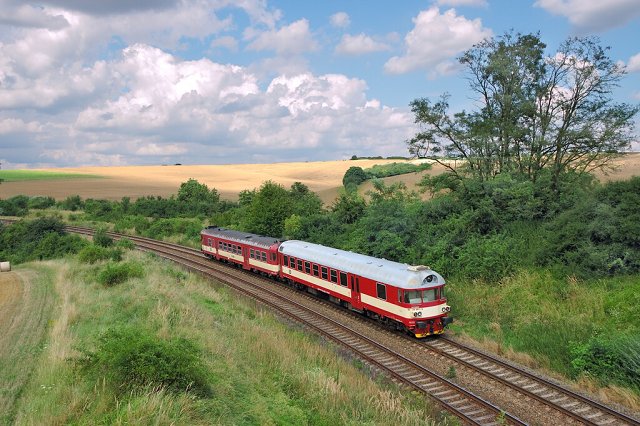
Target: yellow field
{"x":324,"y":178}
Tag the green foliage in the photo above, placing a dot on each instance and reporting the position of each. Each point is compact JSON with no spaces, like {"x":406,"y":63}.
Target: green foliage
{"x":515,"y":129}
{"x":42,"y":238}
{"x":610,"y":360}
{"x":100,"y":238}
{"x":116,"y":273}
{"x":134,"y":359}
{"x":72,"y":202}
{"x":353,"y":177}
{"x":394,"y":169}
{"x":349,"y":207}
{"x":194,"y":192}
{"x":125,"y":243}
{"x":269,"y":208}
{"x":41,"y":202}
{"x":94,"y":253}
{"x":15,"y":206}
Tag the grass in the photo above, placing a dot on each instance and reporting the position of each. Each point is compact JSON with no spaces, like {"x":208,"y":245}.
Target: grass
{"x":260,"y":370}
{"x":24,"y":318}
{"x":536,"y":318}
{"x":26,"y":175}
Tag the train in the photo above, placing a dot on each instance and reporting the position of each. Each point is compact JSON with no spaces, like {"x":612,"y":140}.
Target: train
{"x":404,"y":297}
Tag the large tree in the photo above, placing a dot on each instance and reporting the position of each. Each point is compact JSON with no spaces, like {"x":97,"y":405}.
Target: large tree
{"x":535,"y":112}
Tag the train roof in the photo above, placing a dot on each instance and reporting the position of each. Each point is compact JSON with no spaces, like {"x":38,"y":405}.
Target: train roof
{"x":241,"y":237}
{"x":384,"y":271}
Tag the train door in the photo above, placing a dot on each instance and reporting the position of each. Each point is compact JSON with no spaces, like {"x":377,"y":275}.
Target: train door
{"x":245,"y":258}
{"x":355,"y":292}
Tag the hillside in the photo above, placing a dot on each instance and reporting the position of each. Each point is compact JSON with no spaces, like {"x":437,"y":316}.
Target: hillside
{"x":322,"y":177}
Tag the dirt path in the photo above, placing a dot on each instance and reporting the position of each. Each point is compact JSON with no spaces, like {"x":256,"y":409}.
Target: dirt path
{"x":25,"y":309}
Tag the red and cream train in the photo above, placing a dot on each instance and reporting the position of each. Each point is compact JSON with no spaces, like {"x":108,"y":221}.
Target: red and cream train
{"x":410,"y":298}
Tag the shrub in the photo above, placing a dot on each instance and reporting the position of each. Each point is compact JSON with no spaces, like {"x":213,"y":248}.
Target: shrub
{"x":101,"y":238}
{"x":94,"y":253}
{"x":354,"y":177}
{"x":116,"y":273}
{"x":609,"y":360}
{"x":126,"y":244}
{"x":133,"y":359}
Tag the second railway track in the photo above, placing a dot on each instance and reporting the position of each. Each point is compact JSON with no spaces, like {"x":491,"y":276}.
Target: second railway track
{"x":570,"y":406}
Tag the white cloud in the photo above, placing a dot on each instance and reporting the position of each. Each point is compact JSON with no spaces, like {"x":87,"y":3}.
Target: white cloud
{"x":291,"y":39}
{"x":457,"y":3}
{"x":226,"y":42}
{"x":359,"y":45}
{"x":634,"y":63}
{"x":593,"y":16}
{"x":434,"y":42}
{"x":340,"y":20}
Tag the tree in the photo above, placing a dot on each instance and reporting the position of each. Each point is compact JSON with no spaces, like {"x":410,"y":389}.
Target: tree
{"x":193,"y":191}
{"x":536,"y":112}
{"x":353,"y":177}
{"x":269,"y":208}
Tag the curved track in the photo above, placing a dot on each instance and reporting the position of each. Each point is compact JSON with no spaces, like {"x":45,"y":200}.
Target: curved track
{"x":462,"y":403}
{"x":570,"y":406}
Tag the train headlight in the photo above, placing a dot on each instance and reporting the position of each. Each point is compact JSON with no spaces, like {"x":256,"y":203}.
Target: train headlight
{"x":417,"y":314}
{"x":446,"y":308}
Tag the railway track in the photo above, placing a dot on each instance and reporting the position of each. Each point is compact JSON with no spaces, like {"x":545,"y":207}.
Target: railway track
{"x":468,"y":407}
{"x":569,"y":403}
{"x":474,"y":410}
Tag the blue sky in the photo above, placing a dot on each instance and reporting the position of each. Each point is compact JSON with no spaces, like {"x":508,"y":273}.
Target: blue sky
{"x":254,"y":81}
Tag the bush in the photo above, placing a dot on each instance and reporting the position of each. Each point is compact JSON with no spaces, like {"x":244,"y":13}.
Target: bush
{"x":354,"y":177}
{"x":126,"y":244}
{"x":133,"y":359}
{"x":101,"y":238}
{"x":116,"y":273}
{"x":609,"y":360}
{"x":94,"y":253}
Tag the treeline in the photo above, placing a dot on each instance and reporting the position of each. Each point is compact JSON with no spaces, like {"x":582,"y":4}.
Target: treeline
{"x":471,"y":231}
{"x":356,"y":175}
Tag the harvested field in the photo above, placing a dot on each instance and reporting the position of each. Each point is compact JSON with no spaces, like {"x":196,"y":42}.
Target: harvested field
{"x":322,"y":177}
{"x":25,"y":310}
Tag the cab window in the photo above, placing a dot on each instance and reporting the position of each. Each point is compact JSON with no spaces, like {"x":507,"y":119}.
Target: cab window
{"x":429,"y":295}
{"x":412,"y":296}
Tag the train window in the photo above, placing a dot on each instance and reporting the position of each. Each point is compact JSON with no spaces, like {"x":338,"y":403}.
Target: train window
{"x":334,"y":276}
{"x":251,"y":254}
{"x":307,"y":267}
{"x":286,"y":261}
{"x":429,"y":295}
{"x":324,"y":273}
{"x":412,"y":296}
{"x":315,"y":270}
{"x":299,"y":265}
{"x":382,"y":291}
{"x":343,"y":279}
{"x":442,"y":293}
{"x":209,"y":242}
{"x":273,"y":257}
{"x":264,"y":256}
{"x":292,"y":262}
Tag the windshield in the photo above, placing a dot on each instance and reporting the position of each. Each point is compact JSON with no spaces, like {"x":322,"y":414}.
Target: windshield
{"x":415,"y":297}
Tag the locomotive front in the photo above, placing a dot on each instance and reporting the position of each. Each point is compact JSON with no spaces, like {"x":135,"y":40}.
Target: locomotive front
{"x":422,"y":294}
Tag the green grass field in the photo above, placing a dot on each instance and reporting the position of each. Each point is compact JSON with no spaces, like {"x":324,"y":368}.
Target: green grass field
{"x":258,"y":370}
{"x":25,"y":175}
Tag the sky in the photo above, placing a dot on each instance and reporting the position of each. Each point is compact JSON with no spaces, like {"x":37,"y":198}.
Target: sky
{"x":150,"y":82}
